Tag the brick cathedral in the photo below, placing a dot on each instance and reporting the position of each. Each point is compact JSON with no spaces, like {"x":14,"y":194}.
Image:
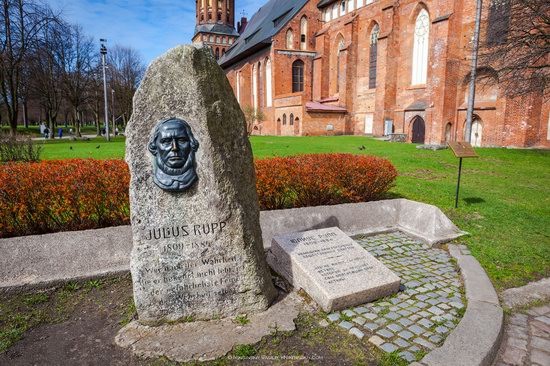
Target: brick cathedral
{"x":364,"y":67}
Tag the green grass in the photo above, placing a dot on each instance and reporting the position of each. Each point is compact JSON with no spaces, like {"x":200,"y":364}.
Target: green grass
{"x":505,"y":194}
{"x":61,"y":149}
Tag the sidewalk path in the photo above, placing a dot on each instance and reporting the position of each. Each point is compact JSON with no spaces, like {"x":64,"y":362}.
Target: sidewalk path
{"x":65,"y":137}
{"x":527,"y":335}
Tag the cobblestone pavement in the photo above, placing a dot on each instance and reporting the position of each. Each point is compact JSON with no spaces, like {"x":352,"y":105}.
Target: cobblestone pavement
{"x":527,"y":339}
{"x":428,"y":307}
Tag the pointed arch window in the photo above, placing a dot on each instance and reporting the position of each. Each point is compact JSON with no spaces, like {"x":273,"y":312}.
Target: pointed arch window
{"x":303,"y":33}
{"x":291,"y":119}
{"x":289,"y":39}
{"x":284,"y":119}
{"x":498,"y":23}
{"x":343,"y":7}
{"x":255,"y":87}
{"x":421,"y":48}
{"x":268,"y":84}
{"x":298,"y":76}
{"x":239,"y":87}
{"x":259,"y":92}
{"x":339,"y":63}
{"x":373,"y":55}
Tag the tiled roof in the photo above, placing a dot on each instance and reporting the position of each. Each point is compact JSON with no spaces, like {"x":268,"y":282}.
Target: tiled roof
{"x":320,"y":107}
{"x":221,"y":29}
{"x":265,"y":24}
{"x":324,"y":3}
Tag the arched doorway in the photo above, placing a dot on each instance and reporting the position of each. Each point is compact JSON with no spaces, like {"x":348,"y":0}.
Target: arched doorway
{"x":477,"y":133}
{"x":369,"y":122}
{"x":418,"y":130}
{"x":448,"y":132}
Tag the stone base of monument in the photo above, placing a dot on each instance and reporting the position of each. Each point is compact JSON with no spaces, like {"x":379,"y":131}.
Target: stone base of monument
{"x":209,"y":340}
{"x":331,"y":268}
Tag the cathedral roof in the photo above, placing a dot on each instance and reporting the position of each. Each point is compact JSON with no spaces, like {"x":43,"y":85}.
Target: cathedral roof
{"x":222,"y":29}
{"x":265,"y":24}
{"x":324,"y":3}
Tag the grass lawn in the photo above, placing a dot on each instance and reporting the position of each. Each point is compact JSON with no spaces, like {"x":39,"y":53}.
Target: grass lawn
{"x":505,"y":194}
{"x":96,"y":148}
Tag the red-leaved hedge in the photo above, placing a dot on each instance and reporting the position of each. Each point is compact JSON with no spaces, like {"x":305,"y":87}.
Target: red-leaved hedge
{"x":66,"y":195}
{"x":322,"y":179}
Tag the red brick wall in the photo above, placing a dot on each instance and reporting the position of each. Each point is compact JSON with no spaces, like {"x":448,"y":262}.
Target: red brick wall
{"x":517,"y":122}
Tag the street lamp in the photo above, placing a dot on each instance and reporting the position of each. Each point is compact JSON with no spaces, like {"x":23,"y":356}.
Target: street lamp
{"x":103,"y":51}
{"x":113,"y":109}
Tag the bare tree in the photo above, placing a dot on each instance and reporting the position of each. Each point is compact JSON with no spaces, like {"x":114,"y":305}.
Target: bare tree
{"x":254,"y":118}
{"x":77,"y":76}
{"x":20,"y":23}
{"x":48,"y":69}
{"x":518,"y":45}
{"x":127,"y":69}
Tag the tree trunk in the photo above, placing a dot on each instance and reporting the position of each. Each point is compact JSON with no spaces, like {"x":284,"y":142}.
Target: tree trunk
{"x":25,"y":114}
{"x":51,"y":126}
{"x":77,"y":124}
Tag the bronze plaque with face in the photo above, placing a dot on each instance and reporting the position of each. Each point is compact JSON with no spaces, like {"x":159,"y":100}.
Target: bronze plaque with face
{"x":173,"y":147}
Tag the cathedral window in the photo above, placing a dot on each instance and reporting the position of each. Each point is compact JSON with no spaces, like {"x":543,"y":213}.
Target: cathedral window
{"x":298,"y":76}
{"x":268,"y":84}
{"x":303,"y":33}
{"x":339,"y":63}
{"x":373,"y":54}
{"x":498,"y":23}
{"x":289,"y":39}
{"x":421,"y":48}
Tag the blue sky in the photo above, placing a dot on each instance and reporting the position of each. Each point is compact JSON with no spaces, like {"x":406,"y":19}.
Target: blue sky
{"x":150,"y":26}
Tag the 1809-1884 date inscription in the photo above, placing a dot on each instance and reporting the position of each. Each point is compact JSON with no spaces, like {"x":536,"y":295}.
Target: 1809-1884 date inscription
{"x":185,"y":230}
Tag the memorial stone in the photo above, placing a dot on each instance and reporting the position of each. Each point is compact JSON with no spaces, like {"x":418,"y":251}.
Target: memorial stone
{"x":197,"y":251}
{"x":332,"y":268}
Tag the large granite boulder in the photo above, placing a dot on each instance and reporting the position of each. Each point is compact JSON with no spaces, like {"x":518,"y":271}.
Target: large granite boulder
{"x":197,"y":250}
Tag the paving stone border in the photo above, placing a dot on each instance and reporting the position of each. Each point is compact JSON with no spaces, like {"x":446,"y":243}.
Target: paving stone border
{"x":476,"y":339}
{"x":527,"y":339}
{"x":429,"y":306}
{"x":47,"y":260}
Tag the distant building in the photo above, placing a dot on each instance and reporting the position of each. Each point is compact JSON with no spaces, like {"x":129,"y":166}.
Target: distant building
{"x":373,"y":68}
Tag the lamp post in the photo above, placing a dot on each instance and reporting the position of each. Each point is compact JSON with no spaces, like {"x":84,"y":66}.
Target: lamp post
{"x":113,"y":108}
{"x":103,"y":51}
{"x":473,"y":75}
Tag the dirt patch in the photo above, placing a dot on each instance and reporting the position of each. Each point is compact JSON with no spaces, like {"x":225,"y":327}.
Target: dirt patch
{"x":76,"y":325}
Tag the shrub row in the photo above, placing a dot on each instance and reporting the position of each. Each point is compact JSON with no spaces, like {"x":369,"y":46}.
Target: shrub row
{"x":322,"y":179}
{"x":52,"y":196}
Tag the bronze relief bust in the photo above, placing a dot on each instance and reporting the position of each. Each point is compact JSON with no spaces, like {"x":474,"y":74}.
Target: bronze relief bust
{"x":173,"y":147}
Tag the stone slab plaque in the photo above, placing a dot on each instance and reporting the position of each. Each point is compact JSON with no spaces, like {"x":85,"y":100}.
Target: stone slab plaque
{"x":332,"y":268}
{"x":197,"y":246}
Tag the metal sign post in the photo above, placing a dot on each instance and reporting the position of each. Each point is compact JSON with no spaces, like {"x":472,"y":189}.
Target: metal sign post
{"x":461,"y":150}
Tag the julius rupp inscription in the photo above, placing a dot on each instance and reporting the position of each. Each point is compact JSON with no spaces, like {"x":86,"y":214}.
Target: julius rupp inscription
{"x":173,"y":147}
{"x":197,"y":245}
{"x":332,"y":268}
